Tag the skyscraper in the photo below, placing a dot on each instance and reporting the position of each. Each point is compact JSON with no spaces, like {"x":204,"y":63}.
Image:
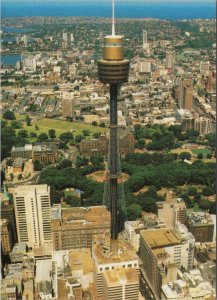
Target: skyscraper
{"x":169,"y":59}
{"x":72,"y":37}
{"x":65,"y":37}
{"x":32,"y":211}
{"x":185,"y":93}
{"x":145,"y":43}
{"x":25,"y":40}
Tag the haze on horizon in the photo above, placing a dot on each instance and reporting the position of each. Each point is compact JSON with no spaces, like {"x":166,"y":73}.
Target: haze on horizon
{"x":109,"y":1}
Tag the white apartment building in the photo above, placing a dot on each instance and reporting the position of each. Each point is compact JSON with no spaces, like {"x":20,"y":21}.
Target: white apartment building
{"x":169,"y":59}
{"x":33,"y":215}
{"x":145,"y":39}
{"x":171,"y":212}
{"x":204,"y":67}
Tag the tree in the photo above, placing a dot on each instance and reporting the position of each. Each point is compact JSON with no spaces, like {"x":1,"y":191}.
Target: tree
{"x":211,"y":138}
{"x":134,"y":212}
{"x":36,"y":127}
{"x":185,"y":155}
{"x":209,"y":155}
{"x":102,"y":125}
{"x":200,"y":156}
{"x":33,"y":135}
{"x":94,"y":123}
{"x":141,"y":144}
{"x":37,"y":165}
{"x":79,"y":138}
{"x":139,"y":131}
{"x":55,"y":195}
{"x":42,"y":137}
{"x":96,"y":160}
{"x":23,"y":133}
{"x":9,"y":115}
{"x":188,"y":201}
{"x":28,"y":120}
{"x":16,"y":124}
{"x":73,"y":201}
{"x":66,"y":163}
{"x":52,"y":133}
{"x":204,"y":204}
{"x":19,"y":177}
{"x":96,"y":135}
{"x":192,"y":191}
{"x":86,"y":132}
{"x":81,"y":161}
{"x":208,"y":191}
{"x":56,"y":88}
{"x":66,"y":137}
{"x":8,"y":140}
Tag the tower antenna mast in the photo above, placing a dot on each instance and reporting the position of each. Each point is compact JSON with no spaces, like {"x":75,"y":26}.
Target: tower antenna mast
{"x":113,"y":17}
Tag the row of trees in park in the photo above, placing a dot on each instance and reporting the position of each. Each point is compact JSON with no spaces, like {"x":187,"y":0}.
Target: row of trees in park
{"x":168,"y":137}
{"x":153,"y":170}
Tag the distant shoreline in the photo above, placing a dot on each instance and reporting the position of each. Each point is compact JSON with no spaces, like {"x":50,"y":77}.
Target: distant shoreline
{"x":168,"y":11}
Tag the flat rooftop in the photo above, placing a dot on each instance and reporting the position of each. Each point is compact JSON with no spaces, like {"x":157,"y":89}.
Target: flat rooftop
{"x":19,"y":248}
{"x":80,"y":259}
{"x":119,"y":276}
{"x":82,"y":217}
{"x":101,"y":251}
{"x":200,"y":219}
{"x":161,"y":237}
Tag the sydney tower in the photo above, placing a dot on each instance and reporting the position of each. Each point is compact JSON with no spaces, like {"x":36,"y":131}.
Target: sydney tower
{"x":113,"y":69}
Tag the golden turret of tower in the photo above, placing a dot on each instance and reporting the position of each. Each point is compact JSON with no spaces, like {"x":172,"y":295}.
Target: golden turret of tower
{"x":113,"y":68}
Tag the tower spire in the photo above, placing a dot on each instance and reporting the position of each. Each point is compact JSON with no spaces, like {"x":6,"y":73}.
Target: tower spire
{"x":113,"y":17}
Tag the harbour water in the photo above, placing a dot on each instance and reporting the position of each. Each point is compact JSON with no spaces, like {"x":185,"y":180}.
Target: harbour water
{"x":10,"y":59}
{"x":124,"y":9}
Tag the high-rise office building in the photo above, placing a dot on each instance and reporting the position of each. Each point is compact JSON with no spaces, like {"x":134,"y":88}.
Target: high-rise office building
{"x":163,"y":251}
{"x":33,"y":216}
{"x":202,"y":124}
{"x":211,"y":82}
{"x":171,"y":212}
{"x":145,"y":36}
{"x":145,"y":43}
{"x":185,"y":93}
{"x":6,"y":236}
{"x":204,"y":67}
{"x":72,"y":37}
{"x":108,"y":264}
{"x":25,"y":40}
{"x":169,"y":59}
{"x":145,"y":66}
{"x":7,"y":212}
{"x":29,"y":63}
{"x":201,"y":226}
{"x":75,"y":227}
{"x":65,"y":36}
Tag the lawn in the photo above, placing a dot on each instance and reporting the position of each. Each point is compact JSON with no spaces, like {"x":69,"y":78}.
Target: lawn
{"x":196,"y":208}
{"x":60,"y":126}
{"x":180,"y":150}
{"x":204,"y":151}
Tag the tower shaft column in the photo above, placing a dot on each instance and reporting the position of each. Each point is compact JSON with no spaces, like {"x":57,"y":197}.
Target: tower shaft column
{"x":113,"y":167}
